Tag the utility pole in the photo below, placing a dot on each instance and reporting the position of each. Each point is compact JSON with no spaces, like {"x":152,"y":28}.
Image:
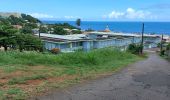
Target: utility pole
{"x":39,"y":31}
{"x":142,"y":42}
{"x":162,"y":42}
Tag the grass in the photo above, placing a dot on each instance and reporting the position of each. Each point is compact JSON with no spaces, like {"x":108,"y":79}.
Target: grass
{"x":25,"y":74}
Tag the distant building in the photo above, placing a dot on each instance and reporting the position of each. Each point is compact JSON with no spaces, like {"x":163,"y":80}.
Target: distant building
{"x":107,"y":29}
{"x":17,"y":26}
{"x":35,"y":31}
{"x":166,"y":38}
{"x":7,"y":14}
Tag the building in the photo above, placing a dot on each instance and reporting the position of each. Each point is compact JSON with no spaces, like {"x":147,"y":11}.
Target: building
{"x":17,"y":26}
{"x":96,"y":40}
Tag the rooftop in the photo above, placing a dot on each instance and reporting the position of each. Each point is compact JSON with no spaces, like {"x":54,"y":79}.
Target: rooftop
{"x":123,"y":34}
{"x":64,"y":37}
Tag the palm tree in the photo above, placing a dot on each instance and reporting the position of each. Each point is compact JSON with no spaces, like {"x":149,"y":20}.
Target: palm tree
{"x":78,"y":22}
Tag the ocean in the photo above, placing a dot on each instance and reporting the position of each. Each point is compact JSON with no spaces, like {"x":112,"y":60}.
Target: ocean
{"x":126,"y":27}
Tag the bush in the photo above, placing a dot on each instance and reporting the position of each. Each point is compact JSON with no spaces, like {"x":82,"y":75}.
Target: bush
{"x":162,"y":53}
{"x":134,"y":48}
{"x":168,"y":47}
{"x":55,"y":50}
{"x":168,"y":50}
{"x":76,"y":32}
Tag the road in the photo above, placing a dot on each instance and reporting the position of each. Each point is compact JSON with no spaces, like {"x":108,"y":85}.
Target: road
{"x":144,"y":80}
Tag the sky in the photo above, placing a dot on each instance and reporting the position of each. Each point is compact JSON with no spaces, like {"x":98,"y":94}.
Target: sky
{"x":91,"y":10}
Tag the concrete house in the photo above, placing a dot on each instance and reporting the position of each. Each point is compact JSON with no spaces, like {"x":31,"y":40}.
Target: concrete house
{"x":95,"y":40}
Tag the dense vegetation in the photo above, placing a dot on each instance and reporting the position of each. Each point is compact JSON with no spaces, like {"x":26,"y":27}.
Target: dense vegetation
{"x":22,"y":38}
{"x":32,"y":72}
{"x":13,"y":39}
{"x":28,"y":23}
{"x":168,"y":51}
{"x":134,"y":49}
{"x":61,"y":29}
{"x":12,"y":20}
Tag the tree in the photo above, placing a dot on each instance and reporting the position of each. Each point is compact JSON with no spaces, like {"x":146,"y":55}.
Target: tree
{"x":15,"y":20}
{"x":134,"y":48}
{"x":7,"y":36}
{"x":30,"y":19}
{"x":59,"y":30}
{"x":43,"y":30}
{"x":4,"y":21}
{"x":78,"y":22}
{"x":28,"y":42}
{"x":26,"y":30}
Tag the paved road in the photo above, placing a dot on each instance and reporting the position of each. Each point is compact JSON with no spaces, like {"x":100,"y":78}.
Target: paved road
{"x":145,"y":80}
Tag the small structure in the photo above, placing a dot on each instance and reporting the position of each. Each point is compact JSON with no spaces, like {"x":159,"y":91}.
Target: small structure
{"x":17,"y":26}
{"x":107,"y":29}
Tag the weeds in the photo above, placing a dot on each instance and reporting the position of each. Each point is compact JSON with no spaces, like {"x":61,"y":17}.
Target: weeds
{"x":42,"y":66}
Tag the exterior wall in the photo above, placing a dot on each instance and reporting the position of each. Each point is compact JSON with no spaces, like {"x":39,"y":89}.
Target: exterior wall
{"x":50,"y":45}
{"x":65,"y":47}
{"x":88,"y":45}
{"x":137,"y":39}
{"x":104,"y":43}
{"x":153,"y":42}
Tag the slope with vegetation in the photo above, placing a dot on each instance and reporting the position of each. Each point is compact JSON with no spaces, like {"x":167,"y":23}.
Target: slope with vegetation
{"x":24,"y":74}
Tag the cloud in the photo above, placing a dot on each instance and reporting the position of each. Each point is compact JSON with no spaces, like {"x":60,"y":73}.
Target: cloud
{"x":40,"y":15}
{"x":71,"y":17}
{"x":133,"y":14}
{"x":50,"y":17}
{"x":115,"y":14}
{"x":130,"y":13}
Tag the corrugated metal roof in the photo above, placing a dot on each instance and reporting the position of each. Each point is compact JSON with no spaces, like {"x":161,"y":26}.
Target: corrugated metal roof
{"x":64,"y":37}
{"x":123,"y":34}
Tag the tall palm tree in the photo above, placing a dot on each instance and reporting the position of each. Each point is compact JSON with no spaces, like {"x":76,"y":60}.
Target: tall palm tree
{"x":78,"y":22}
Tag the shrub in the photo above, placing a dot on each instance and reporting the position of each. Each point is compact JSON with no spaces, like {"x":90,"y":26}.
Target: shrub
{"x":162,"y":53}
{"x":168,"y":47}
{"x":55,"y":50}
{"x":168,"y":50}
{"x":76,"y":32}
{"x":134,"y":48}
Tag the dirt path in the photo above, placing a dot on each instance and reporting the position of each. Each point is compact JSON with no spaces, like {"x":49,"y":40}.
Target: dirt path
{"x":145,"y":80}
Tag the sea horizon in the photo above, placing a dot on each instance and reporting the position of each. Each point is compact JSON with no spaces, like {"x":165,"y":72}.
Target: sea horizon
{"x":121,"y":26}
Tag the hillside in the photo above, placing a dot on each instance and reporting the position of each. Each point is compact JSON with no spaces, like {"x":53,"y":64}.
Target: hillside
{"x":7,"y":14}
{"x":27,"y":24}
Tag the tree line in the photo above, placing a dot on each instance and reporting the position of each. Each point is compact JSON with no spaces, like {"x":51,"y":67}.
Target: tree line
{"x":19,"y":39}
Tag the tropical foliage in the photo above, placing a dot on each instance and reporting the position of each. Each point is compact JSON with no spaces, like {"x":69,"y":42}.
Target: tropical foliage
{"x":14,"y":39}
{"x":134,"y":48}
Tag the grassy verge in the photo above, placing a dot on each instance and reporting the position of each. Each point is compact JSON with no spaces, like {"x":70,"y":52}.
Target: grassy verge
{"x":30,"y":73}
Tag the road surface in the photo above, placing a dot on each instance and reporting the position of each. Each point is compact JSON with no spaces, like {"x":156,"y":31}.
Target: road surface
{"x":144,"y":80}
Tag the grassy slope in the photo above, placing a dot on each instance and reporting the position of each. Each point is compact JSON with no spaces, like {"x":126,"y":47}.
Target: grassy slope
{"x":28,"y":73}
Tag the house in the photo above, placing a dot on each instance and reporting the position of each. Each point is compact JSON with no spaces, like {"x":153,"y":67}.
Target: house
{"x":95,"y":40}
{"x":17,"y":26}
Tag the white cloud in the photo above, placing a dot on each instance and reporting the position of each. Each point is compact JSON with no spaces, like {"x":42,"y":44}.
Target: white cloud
{"x":115,"y":14}
{"x":71,"y":17}
{"x":130,"y":13}
{"x":40,"y":15}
